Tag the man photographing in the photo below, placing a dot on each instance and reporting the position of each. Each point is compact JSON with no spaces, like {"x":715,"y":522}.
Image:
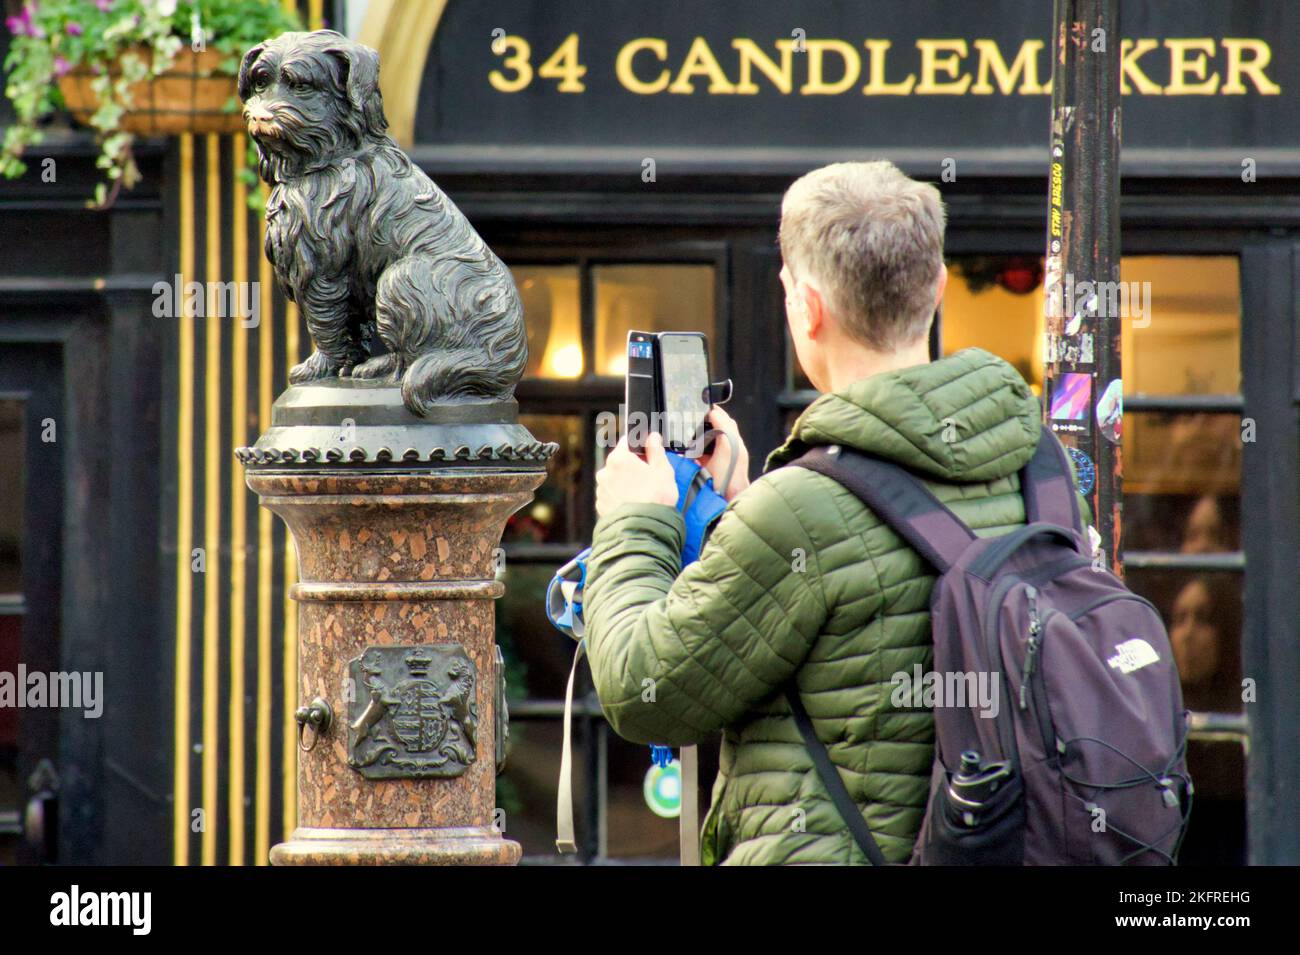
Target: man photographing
{"x":801,"y":586}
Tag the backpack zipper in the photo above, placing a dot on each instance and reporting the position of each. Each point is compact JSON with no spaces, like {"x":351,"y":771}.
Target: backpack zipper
{"x":1031,"y":677}
{"x":1035,"y":641}
{"x":993,"y":653}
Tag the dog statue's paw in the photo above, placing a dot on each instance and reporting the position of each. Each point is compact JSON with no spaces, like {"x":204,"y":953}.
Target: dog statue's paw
{"x":387,"y":367}
{"x":316,"y":366}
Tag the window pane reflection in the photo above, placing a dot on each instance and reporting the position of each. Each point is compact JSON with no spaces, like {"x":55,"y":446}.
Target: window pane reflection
{"x":995,"y":302}
{"x":1182,"y":453}
{"x":649,"y":298}
{"x":552,"y":312}
{"x":538,"y":656}
{"x":1184,"y":523}
{"x":1202,"y":611}
{"x":1188,"y":339}
{"x":552,"y":517}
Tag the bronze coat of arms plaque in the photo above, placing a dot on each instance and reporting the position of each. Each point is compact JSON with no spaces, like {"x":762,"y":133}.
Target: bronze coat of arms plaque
{"x":412,"y":715}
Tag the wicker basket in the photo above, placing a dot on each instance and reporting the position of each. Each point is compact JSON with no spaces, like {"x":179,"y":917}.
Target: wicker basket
{"x":188,"y":98}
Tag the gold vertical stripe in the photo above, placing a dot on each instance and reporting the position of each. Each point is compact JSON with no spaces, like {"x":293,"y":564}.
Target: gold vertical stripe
{"x":212,"y":506}
{"x":238,"y":497}
{"x":265,"y":374}
{"x":184,"y":519}
{"x":291,"y":682}
{"x":316,"y":20}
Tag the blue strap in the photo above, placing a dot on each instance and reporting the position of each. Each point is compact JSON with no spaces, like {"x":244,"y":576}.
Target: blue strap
{"x":699,"y":504}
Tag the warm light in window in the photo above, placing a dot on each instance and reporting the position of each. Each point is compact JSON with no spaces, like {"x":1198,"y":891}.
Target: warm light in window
{"x":616,"y":366}
{"x":565,"y":361}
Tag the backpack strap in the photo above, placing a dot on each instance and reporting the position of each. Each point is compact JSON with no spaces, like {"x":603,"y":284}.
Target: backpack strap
{"x":830,"y":776}
{"x":899,"y":499}
{"x":1047,"y":484}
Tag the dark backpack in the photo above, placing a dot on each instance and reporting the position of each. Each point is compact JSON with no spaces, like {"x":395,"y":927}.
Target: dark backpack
{"x":1082,"y":760}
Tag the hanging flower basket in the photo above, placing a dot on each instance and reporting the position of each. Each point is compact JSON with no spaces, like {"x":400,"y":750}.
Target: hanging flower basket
{"x":189,"y":97}
{"x":129,"y":67}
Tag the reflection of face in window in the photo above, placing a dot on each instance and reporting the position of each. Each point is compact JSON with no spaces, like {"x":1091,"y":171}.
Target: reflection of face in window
{"x":1194,"y":635}
{"x":1205,"y":532}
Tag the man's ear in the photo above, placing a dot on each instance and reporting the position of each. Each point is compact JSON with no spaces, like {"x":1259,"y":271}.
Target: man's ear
{"x":361,"y":83}
{"x":245,"y":85}
{"x":942,"y":285}
{"x":814,"y":311}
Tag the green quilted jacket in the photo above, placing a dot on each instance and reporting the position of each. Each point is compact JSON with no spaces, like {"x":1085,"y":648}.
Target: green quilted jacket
{"x":800,"y":581}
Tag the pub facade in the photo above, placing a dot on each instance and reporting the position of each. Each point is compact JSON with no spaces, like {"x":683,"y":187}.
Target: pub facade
{"x":627,"y":162}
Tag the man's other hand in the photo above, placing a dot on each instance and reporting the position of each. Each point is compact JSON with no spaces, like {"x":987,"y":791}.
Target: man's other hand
{"x":717,"y":462}
{"x":626,"y":479}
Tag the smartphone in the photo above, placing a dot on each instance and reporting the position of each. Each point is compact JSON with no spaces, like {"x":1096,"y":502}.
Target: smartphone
{"x":667,"y":389}
{"x":684,"y":383}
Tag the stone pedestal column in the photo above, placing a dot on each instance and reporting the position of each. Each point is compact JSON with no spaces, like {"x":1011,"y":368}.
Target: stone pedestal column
{"x":397,"y":521}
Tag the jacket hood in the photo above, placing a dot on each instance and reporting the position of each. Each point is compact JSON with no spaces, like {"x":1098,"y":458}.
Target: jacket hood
{"x":968,"y":417}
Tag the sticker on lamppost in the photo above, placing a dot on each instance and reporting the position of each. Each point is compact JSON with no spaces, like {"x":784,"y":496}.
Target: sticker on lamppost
{"x":1110,"y":412}
{"x":1085,"y":472}
{"x":663,"y":790}
{"x":1069,"y":406}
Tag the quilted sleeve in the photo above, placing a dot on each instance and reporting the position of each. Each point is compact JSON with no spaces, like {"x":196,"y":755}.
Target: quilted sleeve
{"x":675,"y":658}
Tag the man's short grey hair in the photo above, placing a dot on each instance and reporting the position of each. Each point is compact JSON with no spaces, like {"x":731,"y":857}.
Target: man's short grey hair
{"x":872,"y":240}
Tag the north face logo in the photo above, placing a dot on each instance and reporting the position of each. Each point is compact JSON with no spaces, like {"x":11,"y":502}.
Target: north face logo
{"x":1133,"y":655}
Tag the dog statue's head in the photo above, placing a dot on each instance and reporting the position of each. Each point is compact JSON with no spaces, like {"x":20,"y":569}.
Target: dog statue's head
{"x":309,"y":99}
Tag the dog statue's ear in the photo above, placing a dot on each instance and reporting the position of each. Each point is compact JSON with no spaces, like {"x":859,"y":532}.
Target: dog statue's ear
{"x":361,"y":82}
{"x":245,"y":85}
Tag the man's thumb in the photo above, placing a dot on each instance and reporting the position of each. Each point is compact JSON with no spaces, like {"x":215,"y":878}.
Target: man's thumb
{"x":654,"y":448}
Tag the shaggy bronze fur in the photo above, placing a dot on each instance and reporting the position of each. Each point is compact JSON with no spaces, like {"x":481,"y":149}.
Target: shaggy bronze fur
{"x":364,"y":241}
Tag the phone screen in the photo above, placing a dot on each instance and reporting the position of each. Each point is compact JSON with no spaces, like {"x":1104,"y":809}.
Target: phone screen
{"x":684,"y":374}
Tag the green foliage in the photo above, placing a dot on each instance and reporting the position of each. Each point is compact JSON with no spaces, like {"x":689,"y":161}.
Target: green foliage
{"x":53,"y":37}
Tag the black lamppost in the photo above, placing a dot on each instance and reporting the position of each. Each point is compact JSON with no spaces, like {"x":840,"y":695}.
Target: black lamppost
{"x":1082,"y":381}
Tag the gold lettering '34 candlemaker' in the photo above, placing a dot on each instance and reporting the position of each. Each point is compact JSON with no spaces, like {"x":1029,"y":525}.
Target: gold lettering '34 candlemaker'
{"x":394,"y":465}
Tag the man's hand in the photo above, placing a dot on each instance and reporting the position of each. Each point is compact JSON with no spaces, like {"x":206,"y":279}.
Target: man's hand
{"x":626,"y":479}
{"x":717,"y":462}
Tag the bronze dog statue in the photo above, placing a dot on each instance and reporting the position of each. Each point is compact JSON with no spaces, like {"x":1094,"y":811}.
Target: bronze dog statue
{"x":364,"y":241}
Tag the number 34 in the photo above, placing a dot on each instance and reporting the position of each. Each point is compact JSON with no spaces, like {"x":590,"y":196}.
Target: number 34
{"x":562,"y":65}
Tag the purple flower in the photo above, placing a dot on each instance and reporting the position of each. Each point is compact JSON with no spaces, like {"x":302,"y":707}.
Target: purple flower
{"x":27,"y":24}
{"x":61,"y":66}
{"x":22,"y":24}
{"x":75,"y":29}
{"x":104,"y":5}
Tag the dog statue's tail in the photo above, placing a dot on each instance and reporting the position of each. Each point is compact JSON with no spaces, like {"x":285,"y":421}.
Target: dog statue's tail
{"x":464,"y":337}
{"x":439,"y":377}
